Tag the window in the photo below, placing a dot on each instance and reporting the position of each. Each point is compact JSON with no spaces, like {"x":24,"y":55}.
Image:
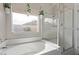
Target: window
{"x":49,"y":24}
{"x":24,"y":23}
{"x":50,"y":29}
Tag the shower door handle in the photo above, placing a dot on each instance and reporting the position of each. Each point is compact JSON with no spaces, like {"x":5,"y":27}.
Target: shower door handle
{"x":61,"y":24}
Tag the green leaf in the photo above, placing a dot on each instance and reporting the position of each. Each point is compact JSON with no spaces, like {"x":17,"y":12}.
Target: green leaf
{"x":7,"y":5}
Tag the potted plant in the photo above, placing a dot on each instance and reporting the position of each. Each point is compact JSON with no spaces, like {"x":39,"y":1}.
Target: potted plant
{"x":7,"y":7}
{"x":41,"y":12}
{"x":28,"y":10}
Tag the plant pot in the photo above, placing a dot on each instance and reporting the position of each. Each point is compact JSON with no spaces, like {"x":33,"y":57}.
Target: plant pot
{"x":7,"y":10}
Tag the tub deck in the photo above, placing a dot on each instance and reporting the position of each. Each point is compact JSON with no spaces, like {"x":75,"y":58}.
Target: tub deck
{"x":50,"y":49}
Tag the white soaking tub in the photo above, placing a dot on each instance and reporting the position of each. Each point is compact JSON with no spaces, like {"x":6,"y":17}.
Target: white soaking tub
{"x":39,"y":47}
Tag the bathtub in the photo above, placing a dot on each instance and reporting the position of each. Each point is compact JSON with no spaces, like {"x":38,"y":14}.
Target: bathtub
{"x":39,"y":47}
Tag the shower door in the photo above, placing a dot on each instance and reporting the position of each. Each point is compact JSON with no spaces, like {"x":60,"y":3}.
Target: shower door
{"x":76,"y":28}
{"x":66,"y":28}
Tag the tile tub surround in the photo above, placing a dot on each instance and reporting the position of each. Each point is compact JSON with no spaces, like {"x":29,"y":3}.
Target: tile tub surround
{"x":22,"y":40}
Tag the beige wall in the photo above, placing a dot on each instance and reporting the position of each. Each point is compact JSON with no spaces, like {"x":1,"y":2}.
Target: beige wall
{"x":2,"y":23}
{"x":21,"y":8}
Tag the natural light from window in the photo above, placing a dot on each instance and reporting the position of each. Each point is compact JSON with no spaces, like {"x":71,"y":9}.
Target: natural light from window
{"x":23,"y":22}
{"x":20,"y":19}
